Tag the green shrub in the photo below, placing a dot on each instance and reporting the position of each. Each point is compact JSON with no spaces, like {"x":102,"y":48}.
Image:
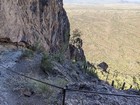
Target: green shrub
{"x":27,"y":53}
{"x":61,"y":82}
{"x":118,"y":83}
{"x":89,"y":68}
{"x":76,"y":38}
{"x":92,"y":73}
{"x":37,"y":47}
{"x":46,"y":63}
{"x":44,"y":88}
{"x":75,"y":34}
{"x":59,"y":57}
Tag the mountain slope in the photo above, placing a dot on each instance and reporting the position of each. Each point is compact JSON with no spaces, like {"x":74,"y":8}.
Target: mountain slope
{"x":18,"y":90}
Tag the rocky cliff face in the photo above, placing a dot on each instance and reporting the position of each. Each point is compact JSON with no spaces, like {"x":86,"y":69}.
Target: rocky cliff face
{"x":34,"y":21}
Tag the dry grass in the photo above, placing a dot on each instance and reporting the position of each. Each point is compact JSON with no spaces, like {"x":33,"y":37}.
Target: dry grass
{"x":111,"y":33}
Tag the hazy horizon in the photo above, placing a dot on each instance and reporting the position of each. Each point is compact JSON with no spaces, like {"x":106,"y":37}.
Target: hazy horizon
{"x":99,"y":1}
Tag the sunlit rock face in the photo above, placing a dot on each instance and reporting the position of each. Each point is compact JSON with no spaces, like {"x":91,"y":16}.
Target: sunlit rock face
{"x":34,"y":21}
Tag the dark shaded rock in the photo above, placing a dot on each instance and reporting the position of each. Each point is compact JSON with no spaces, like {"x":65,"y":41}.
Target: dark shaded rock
{"x":27,"y":93}
{"x":103,"y":66}
{"x":76,"y":54}
{"x":71,"y":49}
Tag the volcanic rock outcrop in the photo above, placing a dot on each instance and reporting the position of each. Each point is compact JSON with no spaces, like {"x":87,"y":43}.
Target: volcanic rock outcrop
{"x":34,"y":21}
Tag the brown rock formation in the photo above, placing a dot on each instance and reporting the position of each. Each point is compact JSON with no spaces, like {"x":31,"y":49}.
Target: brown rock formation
{"x":34,"y":21}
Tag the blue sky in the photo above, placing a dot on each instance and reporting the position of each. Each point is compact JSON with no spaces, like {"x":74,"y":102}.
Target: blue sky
{"x":99,"y":1}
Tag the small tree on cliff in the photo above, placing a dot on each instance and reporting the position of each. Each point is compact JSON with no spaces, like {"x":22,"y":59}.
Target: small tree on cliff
{"x":76,"y":38}
{"x":76,"y":51}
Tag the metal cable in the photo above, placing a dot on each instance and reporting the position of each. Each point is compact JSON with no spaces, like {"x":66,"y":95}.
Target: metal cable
{"x":103,"y":93}
{"x":32,"y":78}
{"x":72,"y":90}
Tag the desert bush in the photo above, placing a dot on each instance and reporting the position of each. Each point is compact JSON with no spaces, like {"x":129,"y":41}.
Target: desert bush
{"x":27,"y":53}
{"x":93,"y":73}
{"x":90,"y":69}
{"x":46,"y":63}
{"x":60,"y":54}
{"x":37,"y":47}
{"x":76,"y":38}
{"x":59,"y":57}
{"x":118,"y":83}
{"x":45,"y":88}
{"x":62,"y":82}
{"x":136,"y":84}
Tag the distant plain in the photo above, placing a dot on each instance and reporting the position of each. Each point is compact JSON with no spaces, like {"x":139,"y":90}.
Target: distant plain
{"x":111,"y":33}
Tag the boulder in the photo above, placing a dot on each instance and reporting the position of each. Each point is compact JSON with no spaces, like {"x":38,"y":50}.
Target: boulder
{"x":103,"y":66}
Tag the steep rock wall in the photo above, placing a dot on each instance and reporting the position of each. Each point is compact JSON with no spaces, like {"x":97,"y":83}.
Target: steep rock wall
{"x":34,"y":21}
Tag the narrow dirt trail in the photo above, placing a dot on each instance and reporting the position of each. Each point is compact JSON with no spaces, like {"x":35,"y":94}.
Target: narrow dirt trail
{"x":7,"y":60}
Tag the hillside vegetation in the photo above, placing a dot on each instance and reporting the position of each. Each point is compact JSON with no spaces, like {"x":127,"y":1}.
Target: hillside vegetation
{"x":111,"y":34}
